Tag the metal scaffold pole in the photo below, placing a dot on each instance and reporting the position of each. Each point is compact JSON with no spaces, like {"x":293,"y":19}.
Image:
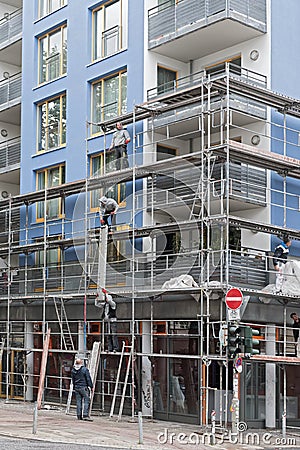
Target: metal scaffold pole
{"x":133,"y":263}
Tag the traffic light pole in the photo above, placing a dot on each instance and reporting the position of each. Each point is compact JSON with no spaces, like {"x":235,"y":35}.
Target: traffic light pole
{"x":234,"y":344}
{"x":235,"y":405}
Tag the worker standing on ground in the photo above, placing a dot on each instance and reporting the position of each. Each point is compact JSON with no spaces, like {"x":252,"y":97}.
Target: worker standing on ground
{"x":279,"y":259}
{"x":108,"y":208}
{"x":82,"y":381}
{"x":119,"y":143}
{"x":110,"y":317}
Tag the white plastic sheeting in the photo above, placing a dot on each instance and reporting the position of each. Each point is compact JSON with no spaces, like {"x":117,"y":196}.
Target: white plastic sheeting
{"x":290,"y":281}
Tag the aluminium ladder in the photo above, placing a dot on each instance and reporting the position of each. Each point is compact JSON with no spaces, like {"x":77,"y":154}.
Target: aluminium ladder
{"x":129,"y":356}
{"x":64,"y":326}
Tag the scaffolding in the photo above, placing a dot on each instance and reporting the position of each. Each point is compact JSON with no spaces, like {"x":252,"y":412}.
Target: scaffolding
{"x":189,"y":215}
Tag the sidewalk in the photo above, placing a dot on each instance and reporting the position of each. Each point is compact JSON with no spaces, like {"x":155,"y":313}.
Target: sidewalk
{"x":16,"y":420}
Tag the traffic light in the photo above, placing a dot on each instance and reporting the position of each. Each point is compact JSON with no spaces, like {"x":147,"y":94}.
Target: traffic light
{"x":249,"y":342}
{"x":234,"y":340}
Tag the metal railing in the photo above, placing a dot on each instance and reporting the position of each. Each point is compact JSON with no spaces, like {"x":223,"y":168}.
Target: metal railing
{"x":196,"y":78}
{"x":10,"y":89}
{"x":11,"y":26}
{"x":10,"y":152}
{"x":168,"y":21}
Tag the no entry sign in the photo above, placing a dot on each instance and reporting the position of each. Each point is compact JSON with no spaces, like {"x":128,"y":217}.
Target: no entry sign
{"x":234,"y":298}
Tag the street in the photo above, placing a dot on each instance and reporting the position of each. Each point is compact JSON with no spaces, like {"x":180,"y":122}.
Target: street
{"x":27,"y":444}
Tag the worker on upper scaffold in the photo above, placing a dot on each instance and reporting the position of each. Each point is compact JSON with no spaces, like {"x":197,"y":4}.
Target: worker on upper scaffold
{"x":279,"y":259}
{"x":119,"y":143}
{"x":108,"y":209}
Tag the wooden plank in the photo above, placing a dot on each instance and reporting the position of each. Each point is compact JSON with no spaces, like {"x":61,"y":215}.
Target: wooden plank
{"x":43,"y":368}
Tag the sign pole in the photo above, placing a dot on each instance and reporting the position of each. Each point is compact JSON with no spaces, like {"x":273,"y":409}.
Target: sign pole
{"x":234,"y":300}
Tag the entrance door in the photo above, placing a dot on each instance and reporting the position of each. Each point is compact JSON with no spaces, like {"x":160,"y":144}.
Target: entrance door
{"x":17,"y":371}
{"x":253,"y":398}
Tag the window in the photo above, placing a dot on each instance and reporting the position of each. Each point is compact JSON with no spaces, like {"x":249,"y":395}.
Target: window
{"x":48,"y":6}
{"x":163,"y":4}
{"x":109,"y":98}
{"x":166,"y":80}
{"x":52,"y":123}
{"x":235,"y":66}
{"x":109,"y":29}
{"x":165,"y":152}
{"x":53,"y":54}
{"x":53,"y":255}
{"x":117,"y":191}
{"x":47,"y":178}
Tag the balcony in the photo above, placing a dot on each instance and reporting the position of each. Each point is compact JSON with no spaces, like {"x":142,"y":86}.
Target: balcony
{"x":11,"y":28}
{"x":10,"y":92}
{"x":247,"y":185}
{"x":191,"y":29}
{"x":190,"y":86}
{"x":10,"y":155}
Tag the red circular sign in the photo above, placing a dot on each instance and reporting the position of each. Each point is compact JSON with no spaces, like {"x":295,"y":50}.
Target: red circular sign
{"x":234,"y":298}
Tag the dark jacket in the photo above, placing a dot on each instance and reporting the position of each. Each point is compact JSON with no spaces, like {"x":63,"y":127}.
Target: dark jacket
{"x":280,"y":254}
{"x":81,"y":377}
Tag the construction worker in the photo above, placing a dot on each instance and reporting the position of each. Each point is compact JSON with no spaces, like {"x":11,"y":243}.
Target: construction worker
{"x":109,"y":316}
{"x":82,"y":381}
{"x":119,"y":143}
{"x":108,"y":208}
{"x":296,"y":327}
{"x":279,"y":259}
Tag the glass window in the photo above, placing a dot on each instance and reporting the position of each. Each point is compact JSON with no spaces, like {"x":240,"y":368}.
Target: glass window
{"x":166,"y":80}
{"x":163,"y":4}
{"x":53,"y":255}
{"x":52,"y":123}
{"x":47,"y":178}
{"x":53,"y":54}
{"x":48,"y":6}
{"x":234,"y":66}
{"x":117,"y":191}
{"x":165,"y":152}
{"x":110,"y":29}
{"x":109,"y":99}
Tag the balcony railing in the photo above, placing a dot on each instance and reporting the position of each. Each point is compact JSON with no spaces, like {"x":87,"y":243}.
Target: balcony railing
{"x":10,"y":89}
{"x":10,"y":153}
{"x":166,"y":22}
{"x":196,"y":78}
{"x":11,"y":26}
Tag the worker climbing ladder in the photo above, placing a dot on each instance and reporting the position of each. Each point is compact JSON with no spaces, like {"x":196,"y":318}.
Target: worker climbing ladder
{"x":93,"y":366}
{"x":129,"y":355}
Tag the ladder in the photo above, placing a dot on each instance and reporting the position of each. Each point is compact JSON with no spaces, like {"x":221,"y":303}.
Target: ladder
{"x":93,"y":366}
{"x":129,"y":355}
{"x":102,"y":262}
{"x":64,"y":326}
{"x":197,"y":204}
